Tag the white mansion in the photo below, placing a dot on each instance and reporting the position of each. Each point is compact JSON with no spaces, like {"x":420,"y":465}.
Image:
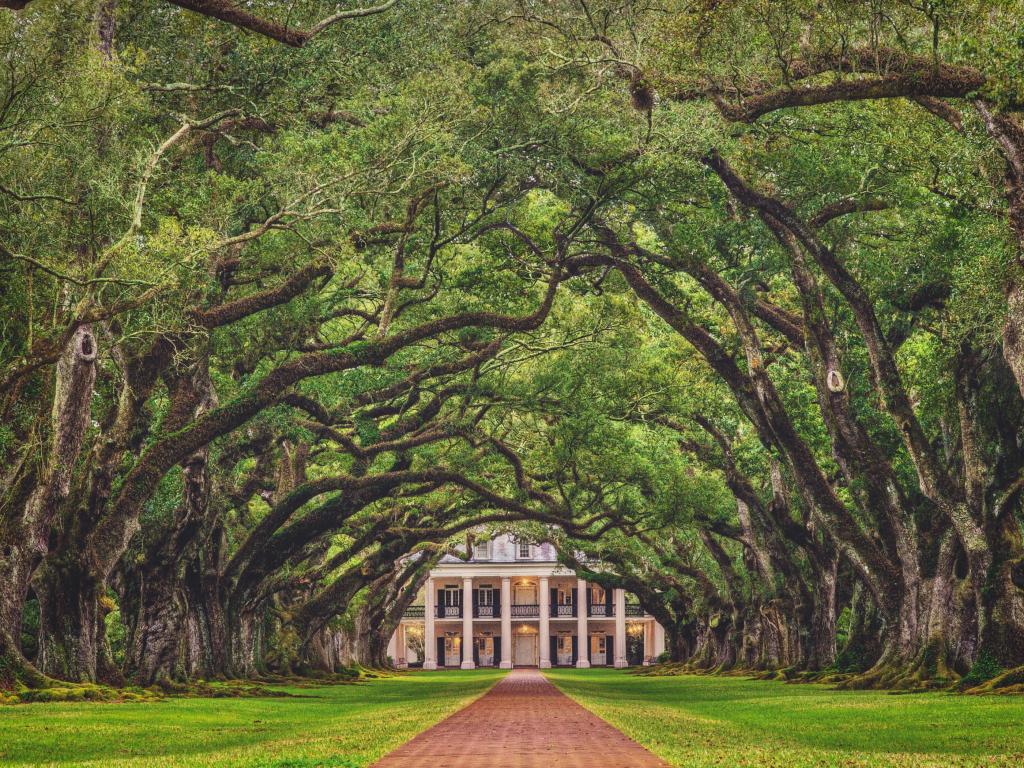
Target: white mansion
{"x":512,"y":604}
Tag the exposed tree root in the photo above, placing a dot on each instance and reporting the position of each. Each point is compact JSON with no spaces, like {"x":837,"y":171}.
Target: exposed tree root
{"x":665,"y":670}
{"x":228,"y":689}
{"x":1011,"y":681}
{"x":59,"y":691}
{"x":22,"y":683}
{"x":17,"y":673}
{"x":80,"y":692}
{"x":308,"y":678}
{"x":929,"y":671}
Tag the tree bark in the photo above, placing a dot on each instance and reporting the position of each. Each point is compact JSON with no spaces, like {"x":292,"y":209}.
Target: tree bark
{"x":25,"y":540}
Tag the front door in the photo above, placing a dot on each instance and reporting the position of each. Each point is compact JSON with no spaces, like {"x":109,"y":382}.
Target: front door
{"x":564,"y":651}
{"x":597,"y":650}
{"x":526,"y":651}
{"x":485,"y":650}
{"x":452,"y":651}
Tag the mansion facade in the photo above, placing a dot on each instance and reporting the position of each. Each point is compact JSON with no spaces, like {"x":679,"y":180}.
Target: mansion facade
{"x":511,"y":604}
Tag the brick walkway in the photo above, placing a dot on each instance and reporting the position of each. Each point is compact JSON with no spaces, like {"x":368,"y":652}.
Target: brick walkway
{"x":523,"y":722}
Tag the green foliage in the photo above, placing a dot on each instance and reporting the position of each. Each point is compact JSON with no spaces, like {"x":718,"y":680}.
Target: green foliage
{"x":985,"y":668}
{"x":30,"y":628}
{"x":115,"y":634}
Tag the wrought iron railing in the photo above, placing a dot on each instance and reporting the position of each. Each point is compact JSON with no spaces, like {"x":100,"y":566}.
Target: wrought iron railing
{"x":525,"y":611}
{"x":634,"y":609}
{"x":486,"y":611}
{"x":415,"y":611}
{"x":563,"y":610}
{"x":600,"y":609}
{"x":449,"y":611}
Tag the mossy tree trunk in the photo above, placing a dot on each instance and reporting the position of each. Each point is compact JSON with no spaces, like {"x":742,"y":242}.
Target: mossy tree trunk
{"x":157,"y":637}
{"x":71,"y":621}
{"x":25,"y":531}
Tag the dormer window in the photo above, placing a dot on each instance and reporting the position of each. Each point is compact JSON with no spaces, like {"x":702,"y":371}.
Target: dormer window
{"x":524,"y":550}
{"x":482,"y":550}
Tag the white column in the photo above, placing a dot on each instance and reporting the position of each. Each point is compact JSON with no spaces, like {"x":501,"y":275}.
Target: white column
{"x":400,"y":648}
{"x":429,"y":641}
{"x":659,"y":639}
{"x":467,"y":623}
{"x":393,"y":645}
{"x":648,"y":642}
{"x":582,"y":635}
{"x":545,"y":628}
{"x":506,"y":623}
{"x":619,"y":601}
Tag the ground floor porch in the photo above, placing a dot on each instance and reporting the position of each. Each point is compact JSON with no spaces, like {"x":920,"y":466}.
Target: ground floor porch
{"x":524,"y":644}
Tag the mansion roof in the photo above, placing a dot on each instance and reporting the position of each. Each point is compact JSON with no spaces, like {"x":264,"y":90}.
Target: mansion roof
{"x":506,"y":549}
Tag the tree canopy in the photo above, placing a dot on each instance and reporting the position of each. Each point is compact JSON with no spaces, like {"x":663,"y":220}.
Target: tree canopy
{"x":723,"y":298}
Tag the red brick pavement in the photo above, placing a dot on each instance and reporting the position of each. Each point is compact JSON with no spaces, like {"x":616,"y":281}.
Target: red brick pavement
{"x":523,"y":722}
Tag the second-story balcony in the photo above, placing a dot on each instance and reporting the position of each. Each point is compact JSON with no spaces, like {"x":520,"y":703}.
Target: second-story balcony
{"x":529,"y":611}
{"x":486,"y":611}
{"x":523,"y":611}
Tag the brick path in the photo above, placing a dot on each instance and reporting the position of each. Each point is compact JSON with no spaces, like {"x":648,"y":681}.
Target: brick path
{"x":523,"y":722}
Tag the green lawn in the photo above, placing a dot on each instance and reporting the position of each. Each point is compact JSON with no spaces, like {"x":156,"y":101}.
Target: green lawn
{"x":713,"y":721}
{"x":336,"y":727}
{"x":690,"y":721}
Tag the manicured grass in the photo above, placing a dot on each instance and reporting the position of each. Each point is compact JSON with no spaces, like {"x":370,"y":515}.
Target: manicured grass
{"x":718,"y":721}
{"x":341,"y":726}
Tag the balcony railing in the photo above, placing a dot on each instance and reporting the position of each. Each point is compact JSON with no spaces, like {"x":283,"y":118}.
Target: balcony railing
{"x":449,"y":611}
{"x":634,"y":609}
{"x":415,"y":611}
{"x":600,"y":609}
{"x":486,"y":611}
{"x":563,"y":610}
{"x":525,"y":611}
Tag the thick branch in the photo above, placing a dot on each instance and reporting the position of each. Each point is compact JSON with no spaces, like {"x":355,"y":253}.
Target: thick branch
{"x":282,"y":33}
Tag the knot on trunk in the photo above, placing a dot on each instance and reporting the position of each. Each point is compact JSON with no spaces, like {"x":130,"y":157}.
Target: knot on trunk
{"x":84,"y":345}
{"x":835,"y":382}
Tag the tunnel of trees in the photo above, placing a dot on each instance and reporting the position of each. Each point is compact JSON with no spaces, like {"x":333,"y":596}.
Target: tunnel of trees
{"x":724,"y":298}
